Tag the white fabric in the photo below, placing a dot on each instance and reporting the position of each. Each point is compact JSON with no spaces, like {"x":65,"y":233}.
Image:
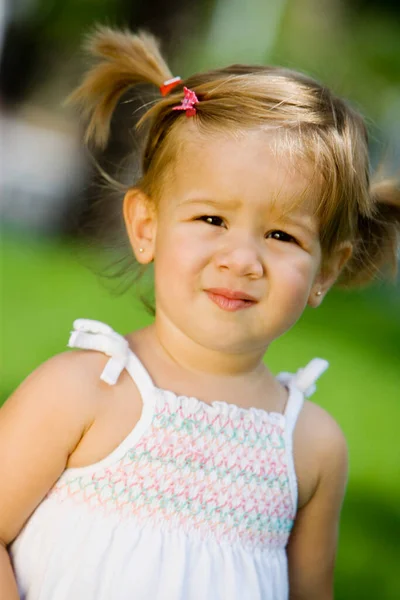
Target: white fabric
{"x":305,"y":378}
{"x":70,"y":551}
{"x":94,"y":335}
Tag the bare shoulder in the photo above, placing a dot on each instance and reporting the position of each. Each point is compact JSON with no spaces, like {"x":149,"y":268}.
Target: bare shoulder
{"x":71,"y":380}
{"x":320,"y":449}
{"x":45,"y":419}
{"x":64,"y":392}
{"x":321,"y":428}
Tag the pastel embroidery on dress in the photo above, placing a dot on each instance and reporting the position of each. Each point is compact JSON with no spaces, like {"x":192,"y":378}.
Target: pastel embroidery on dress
{"x":213,"y":471}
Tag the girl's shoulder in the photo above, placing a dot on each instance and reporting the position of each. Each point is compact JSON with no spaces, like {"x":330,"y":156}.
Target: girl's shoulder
{"x":320,"y":434}
{"x":64,"y":388}
{"x":320,"y":449}
{"x":61,"y":415}
{"x":41,"y":425}
{"x":66,"y":378}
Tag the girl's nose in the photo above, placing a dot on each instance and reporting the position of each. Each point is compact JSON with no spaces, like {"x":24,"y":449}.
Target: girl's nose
{"x":242,"y":259}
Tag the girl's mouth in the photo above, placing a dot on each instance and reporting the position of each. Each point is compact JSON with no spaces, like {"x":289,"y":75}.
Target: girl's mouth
{"x":230,"y":300}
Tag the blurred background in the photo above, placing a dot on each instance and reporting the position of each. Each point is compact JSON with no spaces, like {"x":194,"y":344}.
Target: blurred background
{"x":51,"y":250}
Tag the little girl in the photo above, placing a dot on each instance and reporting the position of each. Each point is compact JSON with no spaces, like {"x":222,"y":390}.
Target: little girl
{"x":170,"y":464}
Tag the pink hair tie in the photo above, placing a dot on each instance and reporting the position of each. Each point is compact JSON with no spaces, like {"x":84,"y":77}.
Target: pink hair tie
{"x":168,"y":85}
{"x":188,"y":103}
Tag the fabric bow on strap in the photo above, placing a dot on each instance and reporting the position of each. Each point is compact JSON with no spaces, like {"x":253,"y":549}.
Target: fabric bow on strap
{"x":304,"y":379}
{"x":94,"y":335}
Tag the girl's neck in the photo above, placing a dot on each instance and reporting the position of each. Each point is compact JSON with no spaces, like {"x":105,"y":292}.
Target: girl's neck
{"x":187,"y":370}
{"x":200,"y":360}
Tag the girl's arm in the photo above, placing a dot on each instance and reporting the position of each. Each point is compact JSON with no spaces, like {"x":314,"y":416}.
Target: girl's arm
{"x":40,"y":426}
{"x":312,"y":544}
{"x":8,"y":585}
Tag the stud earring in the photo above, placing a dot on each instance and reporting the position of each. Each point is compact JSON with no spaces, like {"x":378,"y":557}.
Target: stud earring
{"x":319,"y":293}
{"x":141,"y":250}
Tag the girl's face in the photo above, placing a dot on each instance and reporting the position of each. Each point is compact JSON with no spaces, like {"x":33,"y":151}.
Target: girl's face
{"x":235,"y":255}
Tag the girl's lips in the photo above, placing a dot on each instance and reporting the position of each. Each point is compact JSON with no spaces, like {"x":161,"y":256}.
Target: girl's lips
{"x":233,"y":294}
{"x":230,"y":303}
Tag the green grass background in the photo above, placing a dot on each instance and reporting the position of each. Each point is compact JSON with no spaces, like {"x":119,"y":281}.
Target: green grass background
{"x":45,"y":286}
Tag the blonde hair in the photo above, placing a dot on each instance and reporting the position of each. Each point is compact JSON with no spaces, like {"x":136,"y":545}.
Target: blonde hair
{"x":314,"y":123}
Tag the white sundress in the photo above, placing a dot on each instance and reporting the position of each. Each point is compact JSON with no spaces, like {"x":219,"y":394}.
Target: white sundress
{"x":196,"y":503}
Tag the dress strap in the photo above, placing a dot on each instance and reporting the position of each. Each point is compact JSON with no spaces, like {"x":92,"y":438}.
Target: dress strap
{"x":305,"y":378}
{"x":301,"y":385}
{"x":94,"y":335}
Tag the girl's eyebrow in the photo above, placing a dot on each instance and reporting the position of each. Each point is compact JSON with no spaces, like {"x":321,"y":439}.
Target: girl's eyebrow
{"x":210,"y":202}
{"x":306,"y":222}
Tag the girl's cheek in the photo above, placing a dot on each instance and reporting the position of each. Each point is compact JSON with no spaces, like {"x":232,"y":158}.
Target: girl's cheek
{"x":181,"y":251}
{"x":297,"y":264}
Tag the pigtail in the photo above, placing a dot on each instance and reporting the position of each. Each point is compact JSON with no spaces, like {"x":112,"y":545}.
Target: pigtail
{"x":123,"y":60}
{"x":378,"y":240}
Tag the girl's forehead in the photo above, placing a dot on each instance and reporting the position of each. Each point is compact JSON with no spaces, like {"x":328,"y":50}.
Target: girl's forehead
{"x":248,"y":166}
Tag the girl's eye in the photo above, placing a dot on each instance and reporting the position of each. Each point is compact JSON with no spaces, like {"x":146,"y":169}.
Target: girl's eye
{"x":217,"y":221}
{"x":281,"y":236}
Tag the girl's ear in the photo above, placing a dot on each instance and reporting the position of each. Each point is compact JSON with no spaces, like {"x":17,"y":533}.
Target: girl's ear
{"x":140,"y":218}
{"x":328,"y":274}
